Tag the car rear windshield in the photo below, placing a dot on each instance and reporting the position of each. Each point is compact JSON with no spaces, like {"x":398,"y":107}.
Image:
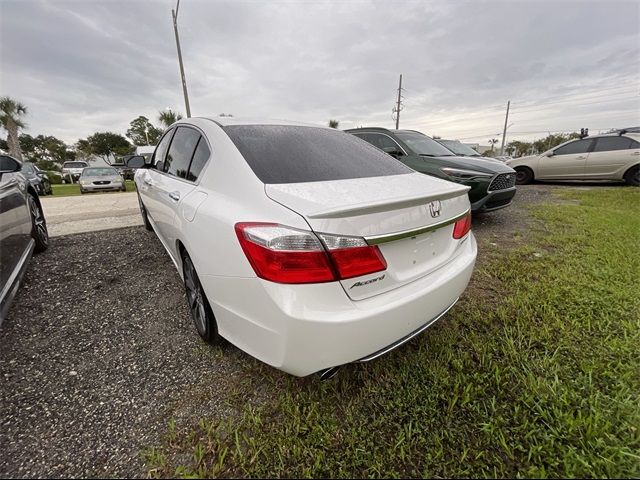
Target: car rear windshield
{"x":74,"y":165}
{"x":99,"y":172}
{"x":295,"y":154}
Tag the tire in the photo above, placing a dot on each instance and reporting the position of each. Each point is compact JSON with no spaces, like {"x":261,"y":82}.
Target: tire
{"x":201,"y":313}
{"x":39,"y":231}
{"x":82,"y":191}
{"x":632,"y":177}
{"x":524,"y":175}
{"x":145,"y":217}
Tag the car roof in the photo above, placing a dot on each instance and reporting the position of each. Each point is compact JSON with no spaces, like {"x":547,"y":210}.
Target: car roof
{"x":227,"y":121}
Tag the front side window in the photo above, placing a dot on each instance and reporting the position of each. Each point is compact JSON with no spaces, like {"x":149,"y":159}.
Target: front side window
{"x":608,"y":144}
{"x":423,"y":145}
{"x":8,"y":164}
{"x":199,"y":160}
{"x":383,"y":142}
{"x":161,"y":150}
{"x":180,"y":152}
{"x":579,"y":146}
{"x":296,"y":154}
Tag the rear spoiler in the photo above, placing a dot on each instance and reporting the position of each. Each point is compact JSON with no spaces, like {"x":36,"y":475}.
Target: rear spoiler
{"x":385,"y":205}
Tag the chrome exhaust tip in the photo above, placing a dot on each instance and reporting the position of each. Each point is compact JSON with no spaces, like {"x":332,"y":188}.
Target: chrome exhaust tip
{"x":328,"y":373}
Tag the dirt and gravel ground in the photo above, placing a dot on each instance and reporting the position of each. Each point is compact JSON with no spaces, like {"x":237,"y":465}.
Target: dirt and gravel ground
{"x":98,"y":353}
{"x":92,"y":212}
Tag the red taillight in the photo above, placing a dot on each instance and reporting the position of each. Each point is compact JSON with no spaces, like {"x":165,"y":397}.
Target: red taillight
{"x":462,"y":226}
{"x":287,"y":255}
{"x":356,"y":261}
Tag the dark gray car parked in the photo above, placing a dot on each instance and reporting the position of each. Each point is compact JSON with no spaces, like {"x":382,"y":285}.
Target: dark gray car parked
{"x":23,"y":228}
{"x":37,"y":178}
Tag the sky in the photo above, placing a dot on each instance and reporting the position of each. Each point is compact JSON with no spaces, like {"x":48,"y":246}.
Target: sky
{"x":95,"y":65}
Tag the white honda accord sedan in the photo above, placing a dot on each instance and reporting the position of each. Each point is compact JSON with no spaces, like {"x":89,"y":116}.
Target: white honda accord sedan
{"x":304,"y":246}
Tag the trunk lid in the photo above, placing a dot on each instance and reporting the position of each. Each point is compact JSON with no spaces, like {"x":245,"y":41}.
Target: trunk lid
{"x":410,"y":217}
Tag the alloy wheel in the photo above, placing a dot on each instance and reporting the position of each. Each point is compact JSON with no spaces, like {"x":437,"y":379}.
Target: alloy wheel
{"x":38,"y":222}
{"x":195,"y":297}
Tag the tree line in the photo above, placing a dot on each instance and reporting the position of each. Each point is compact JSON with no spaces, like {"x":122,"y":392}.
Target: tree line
{"x":49,"y":152}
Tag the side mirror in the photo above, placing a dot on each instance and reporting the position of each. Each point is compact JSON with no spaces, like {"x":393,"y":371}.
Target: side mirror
{"x":9,"y":165}
{"x":549,"y":154}
{"x":136,"y":161}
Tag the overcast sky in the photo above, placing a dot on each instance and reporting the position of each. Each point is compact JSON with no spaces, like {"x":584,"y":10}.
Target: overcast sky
{"x":86,"y":66}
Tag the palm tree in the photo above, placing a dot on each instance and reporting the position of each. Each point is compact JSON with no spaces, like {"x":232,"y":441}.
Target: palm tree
{"x":334,"y":123}
{"x":168,"y":117}
{"x":493,"y":141}
{"x":10,"y":113}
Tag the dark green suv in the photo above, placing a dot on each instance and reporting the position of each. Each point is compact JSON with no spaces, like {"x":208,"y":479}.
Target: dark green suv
{"x":493,"y":184}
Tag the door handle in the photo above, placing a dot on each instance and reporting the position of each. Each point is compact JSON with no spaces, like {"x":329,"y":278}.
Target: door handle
{"x":581,"y":157}
{"x":175,"y":196}
{"x":635,"y":153}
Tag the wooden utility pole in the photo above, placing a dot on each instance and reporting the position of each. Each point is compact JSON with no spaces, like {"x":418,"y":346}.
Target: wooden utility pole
{"x":398,"y":104}
{"x":504,"y":132}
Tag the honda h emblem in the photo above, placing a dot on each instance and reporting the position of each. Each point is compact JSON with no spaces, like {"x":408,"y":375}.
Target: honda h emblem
{"x":434,"y":208}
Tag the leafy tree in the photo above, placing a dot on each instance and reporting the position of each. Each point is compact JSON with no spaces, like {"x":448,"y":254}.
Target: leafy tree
{"x":4,"y":146}
{"x":142,"y":132}
{"x":104,"y":145}
{"x":11,"y":113}
{"x":518,"y":148}
{"x":168,"y":117}
{"x":47,"y":151}
{"x":334,"y":123}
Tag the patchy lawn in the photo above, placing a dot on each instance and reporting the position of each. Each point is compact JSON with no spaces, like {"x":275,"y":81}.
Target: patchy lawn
{"x":539,"y":379}
{"x":68,"y":189}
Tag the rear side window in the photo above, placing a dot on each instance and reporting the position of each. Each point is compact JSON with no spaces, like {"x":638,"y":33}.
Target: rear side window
{"x":200,"y":158}
{"x":294,"y":154}
{"x":579,"y":146}
{"x":607,"y":144}
{"x":180,"y":152}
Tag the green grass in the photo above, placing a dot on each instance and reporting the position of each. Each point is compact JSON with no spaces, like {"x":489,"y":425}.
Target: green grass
{"x":69,"y":189}
{"x":541,"y":379}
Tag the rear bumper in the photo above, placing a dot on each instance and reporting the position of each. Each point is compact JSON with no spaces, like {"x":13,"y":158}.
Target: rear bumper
{"x":494,"y":201}
{"x":302,"y":329}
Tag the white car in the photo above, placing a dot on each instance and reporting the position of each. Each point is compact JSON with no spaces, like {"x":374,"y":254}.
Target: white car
{"x":599,"y":157}
{"x":71,"y":171}
{"x":302,"y":245}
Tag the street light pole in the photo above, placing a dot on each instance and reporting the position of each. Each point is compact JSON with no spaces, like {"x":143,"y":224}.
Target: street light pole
{"x":174,"y":14}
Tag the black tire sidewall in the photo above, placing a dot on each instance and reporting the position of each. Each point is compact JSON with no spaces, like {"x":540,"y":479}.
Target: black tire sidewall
{"x":145,"y":217}
{"x":528,"y":175}
{"x":41,"y":244}
{"x":629,"y":176}
{"x":211,"y":334}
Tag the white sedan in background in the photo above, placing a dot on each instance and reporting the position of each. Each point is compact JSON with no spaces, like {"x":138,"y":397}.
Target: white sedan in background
{"x":612,"y":157}
{"x":302,"y":245}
